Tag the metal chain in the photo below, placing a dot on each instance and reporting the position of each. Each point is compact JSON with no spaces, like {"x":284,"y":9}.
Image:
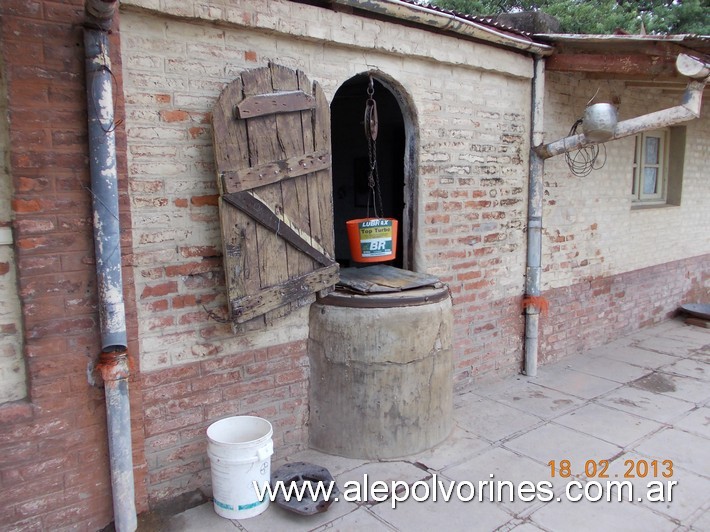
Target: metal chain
{"x":371,"y":126}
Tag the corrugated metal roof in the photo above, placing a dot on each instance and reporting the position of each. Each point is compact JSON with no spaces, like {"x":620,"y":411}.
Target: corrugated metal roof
{"x":699,"y":43}
{"x":488,"y":21}
{"x":538,"y":43}
{"x":430,"y":16}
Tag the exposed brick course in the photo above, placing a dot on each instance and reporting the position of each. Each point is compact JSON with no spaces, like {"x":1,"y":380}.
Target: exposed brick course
{"x":180,"y":403}
{"x":588,"y":314}
{"x":55,"y":471}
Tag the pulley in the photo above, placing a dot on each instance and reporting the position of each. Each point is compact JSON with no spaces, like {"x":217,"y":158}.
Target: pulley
{"x":371,"y":120}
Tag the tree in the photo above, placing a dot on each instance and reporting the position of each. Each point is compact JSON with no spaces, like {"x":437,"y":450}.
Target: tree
{"x":602,"y":16}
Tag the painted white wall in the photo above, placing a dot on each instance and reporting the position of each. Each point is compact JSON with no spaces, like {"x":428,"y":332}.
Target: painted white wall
{"x":472,"y":104}
{"x":590,"y":227}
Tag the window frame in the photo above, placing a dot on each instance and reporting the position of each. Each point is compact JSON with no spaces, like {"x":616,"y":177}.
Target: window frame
{"x":638,"y":196}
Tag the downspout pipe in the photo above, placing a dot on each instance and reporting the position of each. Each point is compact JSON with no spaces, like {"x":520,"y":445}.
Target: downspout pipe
{"x":534,"y":222}
{"x":113,"y":361}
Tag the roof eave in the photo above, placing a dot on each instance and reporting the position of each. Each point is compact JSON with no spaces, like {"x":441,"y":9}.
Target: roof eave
{"x":448,"y":22}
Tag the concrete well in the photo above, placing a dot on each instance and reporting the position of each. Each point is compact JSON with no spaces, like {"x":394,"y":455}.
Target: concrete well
{"x":381,"y":373}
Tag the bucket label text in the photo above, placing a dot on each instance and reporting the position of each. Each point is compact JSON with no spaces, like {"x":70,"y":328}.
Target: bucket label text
{"x":376,"y":238}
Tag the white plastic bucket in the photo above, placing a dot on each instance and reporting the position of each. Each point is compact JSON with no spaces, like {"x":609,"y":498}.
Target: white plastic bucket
{"x":239,"y":449}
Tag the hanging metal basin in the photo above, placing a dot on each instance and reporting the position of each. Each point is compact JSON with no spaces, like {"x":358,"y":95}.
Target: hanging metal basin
{"x":599,"y":121}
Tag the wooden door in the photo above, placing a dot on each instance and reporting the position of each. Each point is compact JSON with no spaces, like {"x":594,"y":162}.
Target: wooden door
{"x":273,"y":158}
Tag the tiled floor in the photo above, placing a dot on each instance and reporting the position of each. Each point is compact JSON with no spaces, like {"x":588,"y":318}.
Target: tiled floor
{"x":645,"y":397}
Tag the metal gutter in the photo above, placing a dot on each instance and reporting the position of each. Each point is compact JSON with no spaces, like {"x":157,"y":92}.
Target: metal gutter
{"x":447,"y":22}
{"x":658,"y":46}
{"x":616,"y":39}
{"x":113,"y":361}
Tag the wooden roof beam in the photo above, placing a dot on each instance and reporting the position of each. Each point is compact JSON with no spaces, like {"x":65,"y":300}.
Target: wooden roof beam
{"x":627,"y":64}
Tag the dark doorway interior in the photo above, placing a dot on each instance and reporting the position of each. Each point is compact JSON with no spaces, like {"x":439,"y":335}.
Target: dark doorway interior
{"x":351,"y":162}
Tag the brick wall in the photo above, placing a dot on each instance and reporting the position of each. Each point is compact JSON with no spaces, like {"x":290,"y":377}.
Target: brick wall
{"x":587,"y":314}
{"x":609,"y":269}
{"x":471,"y":107}
{"x":590,"y":229}
{"x":470,"y":211}
{"x":604,"y":274}
{"x":54,"y":471}
{"x":180,"y":402}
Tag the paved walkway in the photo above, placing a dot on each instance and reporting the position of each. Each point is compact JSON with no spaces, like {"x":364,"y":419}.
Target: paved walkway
{"x":636,"y":403}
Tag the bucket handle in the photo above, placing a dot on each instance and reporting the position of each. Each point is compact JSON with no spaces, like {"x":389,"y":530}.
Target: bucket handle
{"x":266,"y":451}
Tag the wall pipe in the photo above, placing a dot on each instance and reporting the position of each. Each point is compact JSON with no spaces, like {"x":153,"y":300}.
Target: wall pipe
{"x":689,"y":109}
{"x":113,"y":361}
{"x":535,"y":203}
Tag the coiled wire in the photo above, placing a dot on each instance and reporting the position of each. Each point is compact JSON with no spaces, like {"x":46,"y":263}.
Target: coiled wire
{"x":581,"y":162}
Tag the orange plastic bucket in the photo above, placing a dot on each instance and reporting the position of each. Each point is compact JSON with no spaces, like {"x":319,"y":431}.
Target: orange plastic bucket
{"x":372,"y":239}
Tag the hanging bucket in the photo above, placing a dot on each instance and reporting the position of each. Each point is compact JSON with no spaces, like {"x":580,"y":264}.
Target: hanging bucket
{"x":239,"y":449}
{"x":372,"y":239}
{"x":599,"y":121}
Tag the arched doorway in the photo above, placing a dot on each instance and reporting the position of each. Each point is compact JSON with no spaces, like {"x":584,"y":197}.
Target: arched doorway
{"x":395,"y":155}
